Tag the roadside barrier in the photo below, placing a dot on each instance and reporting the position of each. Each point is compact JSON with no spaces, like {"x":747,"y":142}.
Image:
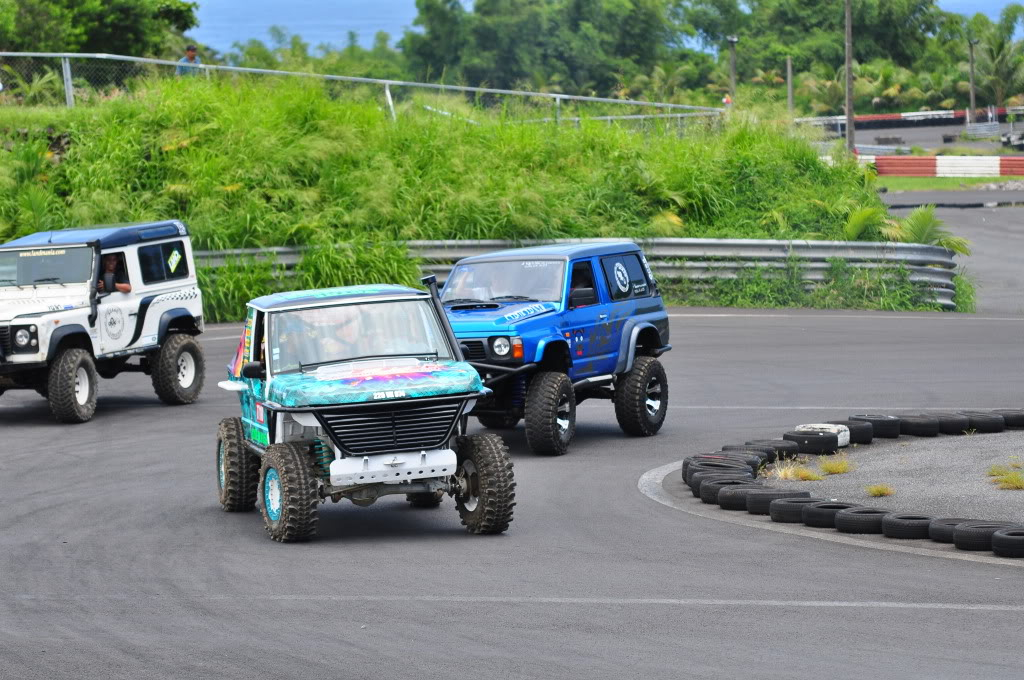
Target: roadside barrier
{"x":945,"y":166}
{"x":686,"y":258}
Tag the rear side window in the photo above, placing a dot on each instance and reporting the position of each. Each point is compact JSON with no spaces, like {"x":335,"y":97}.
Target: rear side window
{"x":625,"y":277}
{"x":163,"y":262}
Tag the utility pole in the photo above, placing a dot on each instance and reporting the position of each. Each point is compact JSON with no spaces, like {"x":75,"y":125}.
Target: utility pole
{"x":971,"y":42}
{"x":732,"y":64}
{"x":850,"y":144}
{"x":789,"y":83}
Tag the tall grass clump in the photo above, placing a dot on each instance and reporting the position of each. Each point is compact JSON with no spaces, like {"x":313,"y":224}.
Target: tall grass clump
{"x":279,"y":162}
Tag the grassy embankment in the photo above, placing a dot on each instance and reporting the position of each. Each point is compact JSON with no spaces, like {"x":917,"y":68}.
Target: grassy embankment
{"x":281,"y":163}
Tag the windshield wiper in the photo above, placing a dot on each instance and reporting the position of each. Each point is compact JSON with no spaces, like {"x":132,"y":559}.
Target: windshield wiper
{"x":48,"y":279}
{"x":303,"y":367}
{"x":506,"y":298}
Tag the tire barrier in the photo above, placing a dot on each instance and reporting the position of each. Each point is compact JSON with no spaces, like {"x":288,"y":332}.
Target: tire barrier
{"x":729,"y":478}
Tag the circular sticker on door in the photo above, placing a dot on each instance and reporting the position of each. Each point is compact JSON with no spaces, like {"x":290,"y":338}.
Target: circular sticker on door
{"x":621,"y":277}
{"x":113,"y":320}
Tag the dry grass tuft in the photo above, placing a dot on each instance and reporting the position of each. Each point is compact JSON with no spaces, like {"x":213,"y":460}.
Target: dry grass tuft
{"x":835,"y":465}
{"x":879,"y":490}
{"x":795,"y":471}
{"x":1011,"y":481}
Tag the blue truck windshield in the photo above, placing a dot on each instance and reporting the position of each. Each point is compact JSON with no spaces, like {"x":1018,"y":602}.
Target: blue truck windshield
{"x":506,"y":281}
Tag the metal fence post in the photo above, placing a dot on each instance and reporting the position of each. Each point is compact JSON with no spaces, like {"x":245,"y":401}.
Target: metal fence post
{"x":391,"y":102}
{"x":558,"y":111}
{"x":69,"y":91}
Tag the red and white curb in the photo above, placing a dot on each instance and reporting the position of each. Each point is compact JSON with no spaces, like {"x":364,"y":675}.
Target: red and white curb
{"x":945,"y":166}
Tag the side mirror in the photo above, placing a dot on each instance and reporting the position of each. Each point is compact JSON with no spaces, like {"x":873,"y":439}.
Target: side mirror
{"x":581,"y":297}
{"x":254,"y":370}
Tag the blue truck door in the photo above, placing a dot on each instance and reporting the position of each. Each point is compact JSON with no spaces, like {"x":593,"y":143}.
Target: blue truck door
{"x":630,"y":290}
{"x":583,"y":327}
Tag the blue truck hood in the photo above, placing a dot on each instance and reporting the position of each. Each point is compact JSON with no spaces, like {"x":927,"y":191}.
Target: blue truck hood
{"x":492,"y":319}
{"x":378,"y":380}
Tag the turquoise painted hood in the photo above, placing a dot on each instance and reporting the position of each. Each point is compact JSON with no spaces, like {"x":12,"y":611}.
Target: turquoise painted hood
{"x":377,"y":380}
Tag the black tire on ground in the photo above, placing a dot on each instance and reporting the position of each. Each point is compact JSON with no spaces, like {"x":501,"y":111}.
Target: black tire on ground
{"x":71,"y":386}
{"x":735,"y":497}
{"x":896,"y":525}
{"x":41,"y":388}
{"x":919,"y":426}
{"x":425,"y":500}
{"x":1008,"y":542}
{"x":980,"y":421}
{"x":790,"y":510}
{"x":698,"y":480}
{"x":641,"y":398}
{"x":505,"y":421}
{"x":755,"y":459}
{"x":178,"y":370}
{"x":952,"y":423}
{"x":238,"y":469}
{"x":289,"y":487}
{"x":860,"y":520}
{"x":758,"y":501}
{"x":941,"y":529}
{"x":817,"y":443}
{"x":978,"y":535}
{"x":1013,"y":418}
{"x":709,"y":489}
{"x":783,"y":448}
{"x":550,"y":413}
{"x":823,"y":514}
{"x":722,"y":456}
{"x":486,"y":494}
{"x":887,"y":427}
{"x":861,"y":431}
{"x":768,"y":451}
{"x":715,"y":466}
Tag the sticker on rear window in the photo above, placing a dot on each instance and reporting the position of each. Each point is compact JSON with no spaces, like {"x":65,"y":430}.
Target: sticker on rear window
{"x":173,"y":260}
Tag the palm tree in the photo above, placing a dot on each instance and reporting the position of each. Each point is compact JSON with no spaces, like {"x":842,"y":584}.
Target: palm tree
{"x":1000,"y":65}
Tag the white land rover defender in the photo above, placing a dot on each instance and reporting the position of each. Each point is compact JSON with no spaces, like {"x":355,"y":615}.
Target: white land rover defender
{"x":80,"y":304}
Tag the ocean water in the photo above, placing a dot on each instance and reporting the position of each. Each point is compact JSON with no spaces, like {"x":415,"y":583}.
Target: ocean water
{"x":225,"y":22}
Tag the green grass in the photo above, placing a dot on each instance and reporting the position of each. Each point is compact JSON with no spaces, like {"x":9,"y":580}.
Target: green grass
{"x":254,"y":164}
{"x":879,"y":490}
{"x":964,"y":293}
{"x":936,"y":183}
{"x":795,"y":471}
{"x":835,"y":465}
{"x":1013,"y":481}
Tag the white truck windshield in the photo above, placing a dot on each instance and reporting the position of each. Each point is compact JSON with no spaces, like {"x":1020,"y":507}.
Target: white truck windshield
{"x":307,"y":338}
{"x":506,"y":281}
{"x":39,"y":266}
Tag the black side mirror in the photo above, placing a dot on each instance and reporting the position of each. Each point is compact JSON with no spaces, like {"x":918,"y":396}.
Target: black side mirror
{"x":581,"y":297}
{"x":254,"y":370}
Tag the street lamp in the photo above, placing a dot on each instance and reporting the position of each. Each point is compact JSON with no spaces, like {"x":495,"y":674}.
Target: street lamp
{"x":971,"y":42}
{"x":732,"y":63}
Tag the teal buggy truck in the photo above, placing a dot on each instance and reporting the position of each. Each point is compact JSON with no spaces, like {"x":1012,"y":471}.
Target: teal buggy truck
{"x":357,"y":392}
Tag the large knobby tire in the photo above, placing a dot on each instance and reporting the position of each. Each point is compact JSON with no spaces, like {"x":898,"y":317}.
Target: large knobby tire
{"x":485,"y":484}
{"x":550,"y":413}
{"x":641,"y":398}
{"x":425,"y":500}
{"x":290,"y":499}
{"x":238,"y":469}
{"x":505,"y":421}
{"x":179,"y":370}
{"x":71,"y":386}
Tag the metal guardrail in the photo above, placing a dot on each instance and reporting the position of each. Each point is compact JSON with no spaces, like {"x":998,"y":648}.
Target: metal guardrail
{"x":982,"y":129}
{"x":685,"y":258}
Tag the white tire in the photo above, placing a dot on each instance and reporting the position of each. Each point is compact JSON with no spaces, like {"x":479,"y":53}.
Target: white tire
{"x":842,"y":432}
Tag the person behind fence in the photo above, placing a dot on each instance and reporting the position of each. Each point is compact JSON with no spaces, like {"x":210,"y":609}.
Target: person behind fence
{"x":186,"y":65}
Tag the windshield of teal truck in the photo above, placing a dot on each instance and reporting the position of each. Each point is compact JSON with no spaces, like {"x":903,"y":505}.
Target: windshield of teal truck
{"x":42,"y":266}
{"x":506,"y":281}
{"x":305,"y":339}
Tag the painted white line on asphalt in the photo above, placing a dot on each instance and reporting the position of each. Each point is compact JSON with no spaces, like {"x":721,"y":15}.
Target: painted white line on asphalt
{"x":650,"y":485}
{"x":820,"y":408}
{"x":609,"y":601}
{"x":220,"y":337}
{"x":937,"y":317}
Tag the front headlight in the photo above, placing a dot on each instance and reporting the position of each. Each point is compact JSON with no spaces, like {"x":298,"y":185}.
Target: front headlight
{"x":22,"y":338}
{"x":501,"y":346}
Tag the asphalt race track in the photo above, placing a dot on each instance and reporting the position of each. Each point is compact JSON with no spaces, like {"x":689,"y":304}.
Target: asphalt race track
{"x":117,"y":562}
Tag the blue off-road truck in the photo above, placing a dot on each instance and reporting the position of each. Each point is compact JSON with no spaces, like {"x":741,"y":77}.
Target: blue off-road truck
{"x":549,"y":326}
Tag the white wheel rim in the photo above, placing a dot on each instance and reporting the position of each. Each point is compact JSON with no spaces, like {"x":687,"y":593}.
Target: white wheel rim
{"x":469,"y":482}
{"x":562,"y":416}
{"x":81,"y":386}
{"x":186,"y":369}
{"x":653,"y":400}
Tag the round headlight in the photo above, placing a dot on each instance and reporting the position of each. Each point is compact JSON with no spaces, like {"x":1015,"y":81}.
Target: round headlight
{"x":21,"y":338}
{"x":501,"y":346}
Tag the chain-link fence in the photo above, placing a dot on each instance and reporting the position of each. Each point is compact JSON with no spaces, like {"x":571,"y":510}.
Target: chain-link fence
{"x":58,"y":79}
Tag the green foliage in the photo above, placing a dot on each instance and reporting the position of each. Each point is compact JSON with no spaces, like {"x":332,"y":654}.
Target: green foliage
{"x":964,"y":293}
{"x":133,"y":27}
{"x":863,"y":221}
{"x":922,"y":226}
